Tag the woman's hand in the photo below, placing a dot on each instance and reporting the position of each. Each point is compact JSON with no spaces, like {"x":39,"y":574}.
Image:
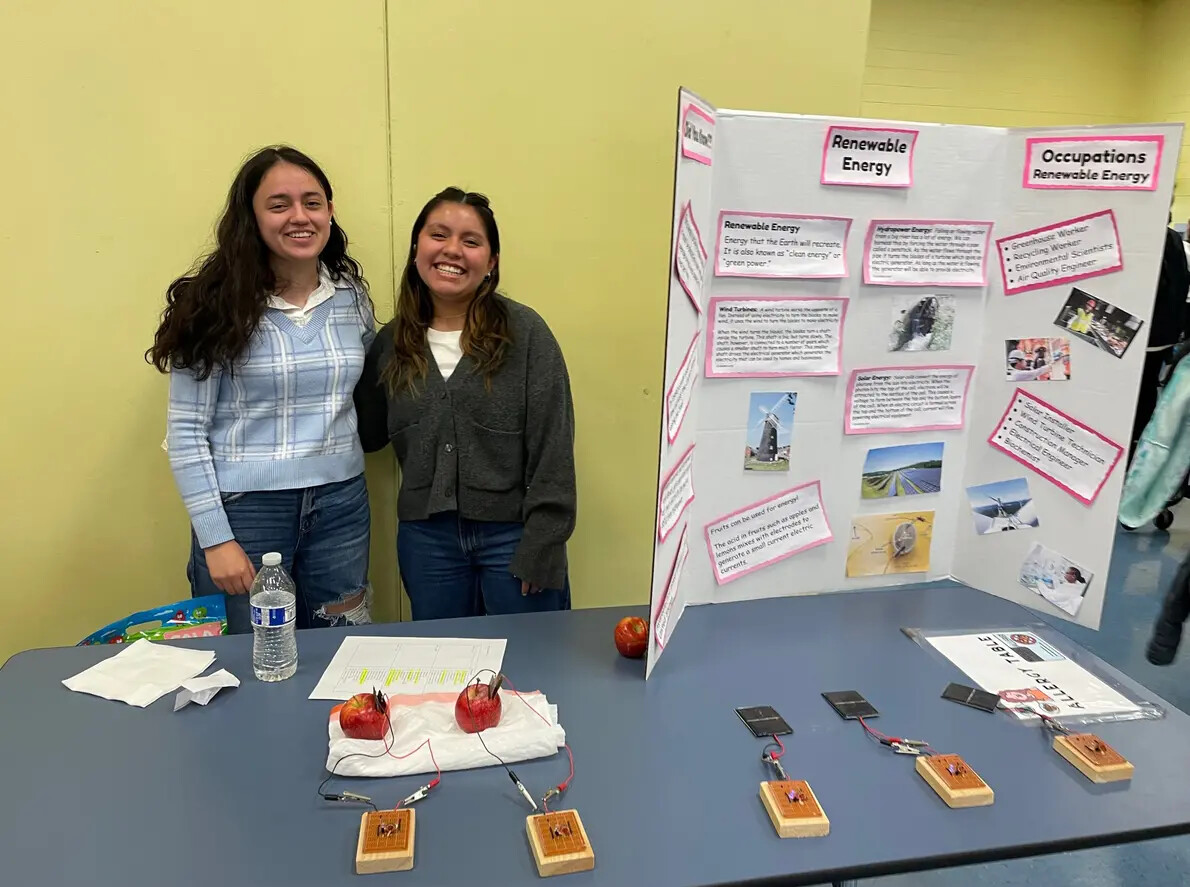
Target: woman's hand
{"x":526,"y":588}
{"x":230,"y":569}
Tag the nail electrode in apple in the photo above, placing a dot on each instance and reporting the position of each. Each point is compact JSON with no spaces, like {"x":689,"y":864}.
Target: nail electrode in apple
{"x":478,"y":708}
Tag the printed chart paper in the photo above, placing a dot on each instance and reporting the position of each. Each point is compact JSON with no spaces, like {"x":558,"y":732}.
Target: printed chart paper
{"x":1060,"y":253}
{"x":926,"y":252}
{"x":698,"y":134}
{"x":861,"y":155}
{"x":769,"y":531}
{"x":774,"y":336}
{"x":1109,"y":163}
{"x":677,"y":397}
{"x":406,"y":666}
{"x":1058,"y":447}
{"x":930,"y":398}
{"x":781,"y":245}
{"x":690,"y":257}
{"x":671,"y":598}
{"x":677,"y":492}
{"x":1027,"y":672}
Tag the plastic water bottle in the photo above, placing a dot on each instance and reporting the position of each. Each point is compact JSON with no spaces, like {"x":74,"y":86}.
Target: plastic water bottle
{"x":274,"y":610}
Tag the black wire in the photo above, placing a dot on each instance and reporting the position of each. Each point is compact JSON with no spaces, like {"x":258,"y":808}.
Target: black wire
{"x":357,"y":754}
{"x":479,"y":733}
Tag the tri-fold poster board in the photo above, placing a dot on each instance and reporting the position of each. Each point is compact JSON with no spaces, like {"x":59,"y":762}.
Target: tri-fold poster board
{"x":899,"y":352}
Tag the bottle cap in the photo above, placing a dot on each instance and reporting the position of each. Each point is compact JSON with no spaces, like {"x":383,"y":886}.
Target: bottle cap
{"x":272,"y":559}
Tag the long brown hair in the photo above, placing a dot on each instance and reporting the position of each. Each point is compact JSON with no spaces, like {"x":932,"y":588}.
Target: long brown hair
{"x":486,"y":336}
{"x":212,"y":313}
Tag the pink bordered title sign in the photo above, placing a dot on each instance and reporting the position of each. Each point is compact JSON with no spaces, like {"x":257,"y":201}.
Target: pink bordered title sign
{"x":899,"y":398}
{"x":1094,"y":163}
{"x":767,"y":531}
{"x":677,"y":492}
{"x":751,"y":244}
{"x":690,"y":256}
{"x":1063,"y":252}
{"x":926,"y":252}
{"x":698,"y":134}
{"x":774,"y":336}
{"x":1063,"y":450}
{"x":680,"y":391}
{"x":663,"y":619}
{"x":868,"y":156}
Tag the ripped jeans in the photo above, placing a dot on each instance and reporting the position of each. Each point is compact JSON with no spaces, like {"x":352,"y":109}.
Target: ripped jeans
{"x":322,"y":534}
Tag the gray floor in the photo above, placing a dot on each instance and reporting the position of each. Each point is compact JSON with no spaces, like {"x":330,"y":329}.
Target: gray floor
{"x":1143,"y":564}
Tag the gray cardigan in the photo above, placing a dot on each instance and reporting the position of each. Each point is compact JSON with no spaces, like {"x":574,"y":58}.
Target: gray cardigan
{"x":504,"y":454}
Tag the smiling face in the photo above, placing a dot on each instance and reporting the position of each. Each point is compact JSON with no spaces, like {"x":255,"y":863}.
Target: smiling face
{"x":293,"y":214}
{"x":453,"y":252}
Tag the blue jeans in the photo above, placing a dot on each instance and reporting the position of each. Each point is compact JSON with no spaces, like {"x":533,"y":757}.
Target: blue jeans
{"x":322,"y":534}
{"x":452,"y":567}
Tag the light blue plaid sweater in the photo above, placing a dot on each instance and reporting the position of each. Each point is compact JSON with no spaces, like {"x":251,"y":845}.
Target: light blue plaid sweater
{"x":284,"y":419}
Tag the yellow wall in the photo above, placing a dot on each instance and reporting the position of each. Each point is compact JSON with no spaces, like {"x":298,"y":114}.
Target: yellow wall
{"x":123,"y":124}
{"x":125,"y":121}
{"x":1168,"y":76}
{"x":1007,"y":62}
{"x":564,"y":114}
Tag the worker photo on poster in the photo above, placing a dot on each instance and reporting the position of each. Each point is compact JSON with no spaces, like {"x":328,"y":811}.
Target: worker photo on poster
{"x":770,"y":430}
{"x":1098,"y":322}
{"x":1043,"y":359}
{"x":921,"y":323}
{"x":1058,"y":579}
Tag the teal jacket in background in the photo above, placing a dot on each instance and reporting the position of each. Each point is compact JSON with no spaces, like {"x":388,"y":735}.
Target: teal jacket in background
{"x":1162,"y":458}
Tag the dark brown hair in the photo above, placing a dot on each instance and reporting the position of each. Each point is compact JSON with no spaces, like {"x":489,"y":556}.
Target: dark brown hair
{"x":212,"y":312}
{"x":485,"y":335}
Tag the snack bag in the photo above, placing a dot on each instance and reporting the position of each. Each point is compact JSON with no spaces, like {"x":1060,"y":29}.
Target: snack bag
{"x":198,"y":617}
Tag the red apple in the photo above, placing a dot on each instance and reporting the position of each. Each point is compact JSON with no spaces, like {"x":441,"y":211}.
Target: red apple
{"x":477,"y":708}
{"x":365,"y":716}
{"x":632,"y":637}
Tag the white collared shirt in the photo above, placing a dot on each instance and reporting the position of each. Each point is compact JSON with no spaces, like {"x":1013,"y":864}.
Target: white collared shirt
{"x":300,"y":315}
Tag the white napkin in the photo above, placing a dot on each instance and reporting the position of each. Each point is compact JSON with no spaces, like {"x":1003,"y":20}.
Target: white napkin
{"x":141,"y":673}
{"x":525,"y":732}
{"x":202,"y":690}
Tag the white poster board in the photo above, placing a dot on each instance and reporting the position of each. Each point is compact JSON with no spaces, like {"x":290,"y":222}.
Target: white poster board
{"x":876,"y":299}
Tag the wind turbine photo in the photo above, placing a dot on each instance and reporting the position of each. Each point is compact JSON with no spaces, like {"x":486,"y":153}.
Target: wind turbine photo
{"x":769,"y":435}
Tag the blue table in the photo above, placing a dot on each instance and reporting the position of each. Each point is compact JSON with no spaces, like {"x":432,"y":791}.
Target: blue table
{"x":666,"y":775}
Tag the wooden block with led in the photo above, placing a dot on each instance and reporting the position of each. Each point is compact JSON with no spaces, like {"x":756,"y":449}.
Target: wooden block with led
{"x":559,"y":843}
{"x":794,"y":809}
{"x":1097,"y":760}
{"x":954,"y":781}
{"x":385,"y":842}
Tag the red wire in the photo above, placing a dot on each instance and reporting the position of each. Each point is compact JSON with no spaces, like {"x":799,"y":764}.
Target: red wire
{"x":562,"y":786}
{"x":877,"y":734}
{"x":388,"y":749}
{"x":776,"y":756}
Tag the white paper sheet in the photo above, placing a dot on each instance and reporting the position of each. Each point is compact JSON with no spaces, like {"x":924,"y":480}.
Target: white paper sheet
{"x":1026,"y":671}
{"x":202,"y":690}
{"x":774,"y":336}
{"x":407,"y":666}
{"x":141,"y":673}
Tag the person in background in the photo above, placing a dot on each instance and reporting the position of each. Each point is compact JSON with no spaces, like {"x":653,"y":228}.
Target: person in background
{"x":1171,"y":314}
{"x":264,"y":342}
{"x":472,"y":391}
